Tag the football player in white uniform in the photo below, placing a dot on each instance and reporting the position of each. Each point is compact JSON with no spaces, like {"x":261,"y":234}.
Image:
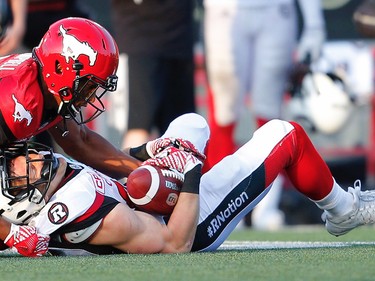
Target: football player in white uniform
{"x":74,"y":203}
{"x":80,"y":205}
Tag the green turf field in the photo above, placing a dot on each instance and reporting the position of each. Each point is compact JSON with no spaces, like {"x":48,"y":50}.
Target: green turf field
{"x":323,"y":263}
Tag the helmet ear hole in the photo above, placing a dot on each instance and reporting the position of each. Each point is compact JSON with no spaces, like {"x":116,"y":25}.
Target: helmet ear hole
{"x":21,"y":214}
{"x":58,"y":68}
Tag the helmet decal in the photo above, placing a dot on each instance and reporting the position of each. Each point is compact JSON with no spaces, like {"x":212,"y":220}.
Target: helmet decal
{"x":73,"y":48}
{"x":20,"y":113}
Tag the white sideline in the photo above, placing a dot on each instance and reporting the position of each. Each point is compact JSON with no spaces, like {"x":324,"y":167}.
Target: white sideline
{"x":265,"y":245}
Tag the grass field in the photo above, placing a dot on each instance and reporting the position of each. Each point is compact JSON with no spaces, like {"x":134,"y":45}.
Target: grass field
{"x":333,"y":259}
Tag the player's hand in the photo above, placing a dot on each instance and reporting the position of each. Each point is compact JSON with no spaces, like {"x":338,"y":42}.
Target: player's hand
{"x":27,"y":241}
{"x":310,"y":44}
{"x":187,"y":146}
{"x":156,"y":146}
{"x":173,"y":158}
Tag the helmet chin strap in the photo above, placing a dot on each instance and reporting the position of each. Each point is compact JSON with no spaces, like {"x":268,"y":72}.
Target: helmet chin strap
{"x":66,"y":109}
{"x":37,"y":198}
{"x":64,"y":130}
{"x":63,"y":110}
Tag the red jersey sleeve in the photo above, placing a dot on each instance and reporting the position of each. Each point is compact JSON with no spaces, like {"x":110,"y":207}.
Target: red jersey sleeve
{"x":21,"y":107}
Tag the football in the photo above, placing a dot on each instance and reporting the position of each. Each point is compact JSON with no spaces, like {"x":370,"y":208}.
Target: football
{"x":153,"y":189}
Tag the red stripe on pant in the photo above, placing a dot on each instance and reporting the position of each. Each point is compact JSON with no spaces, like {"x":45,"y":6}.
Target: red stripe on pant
{"x":305,"y":168}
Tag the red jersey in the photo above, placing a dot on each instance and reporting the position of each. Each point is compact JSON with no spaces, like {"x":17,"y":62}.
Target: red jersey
{"x":22,"y":103}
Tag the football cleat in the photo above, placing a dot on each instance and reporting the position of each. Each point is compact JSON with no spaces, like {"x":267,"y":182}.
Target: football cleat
{"x":363,"y":212}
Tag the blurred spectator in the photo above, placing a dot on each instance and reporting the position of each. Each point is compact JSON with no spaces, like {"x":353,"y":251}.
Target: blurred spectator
{"x":249,"y":49}
{"x":157,"y":39}
{"x":42,"y":13}
{"x":31,"y":19}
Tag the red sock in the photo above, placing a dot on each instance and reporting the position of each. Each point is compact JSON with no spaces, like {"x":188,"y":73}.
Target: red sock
{"x":221,"y":142}
{"x":261,"y":121}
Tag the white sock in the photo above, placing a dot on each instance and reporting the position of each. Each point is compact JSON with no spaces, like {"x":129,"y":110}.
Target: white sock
{"x":338,"y":202}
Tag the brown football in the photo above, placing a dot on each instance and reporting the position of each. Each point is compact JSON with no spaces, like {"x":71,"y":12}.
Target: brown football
{"x":153,"y":189}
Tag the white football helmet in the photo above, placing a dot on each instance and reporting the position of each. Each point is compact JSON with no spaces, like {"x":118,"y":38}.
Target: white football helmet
{"x":19,"y":198}
{"x":321,"y":102}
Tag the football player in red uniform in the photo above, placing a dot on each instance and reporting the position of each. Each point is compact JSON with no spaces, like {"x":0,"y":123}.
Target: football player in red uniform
{"x":74,"y":65}
{"x":58,"y":197}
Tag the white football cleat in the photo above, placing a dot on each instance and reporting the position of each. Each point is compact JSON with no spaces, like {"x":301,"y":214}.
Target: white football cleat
{"x":363,"y":212}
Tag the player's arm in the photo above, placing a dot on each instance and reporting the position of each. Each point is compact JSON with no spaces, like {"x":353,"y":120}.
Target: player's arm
{"x":4,"y":228}
{"x":139,"y":232}
{"x":90,"y":148}
{"x":150,"y":149}
{"x":182,"y":224}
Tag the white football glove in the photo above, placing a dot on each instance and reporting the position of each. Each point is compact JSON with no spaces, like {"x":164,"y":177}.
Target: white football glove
{"x":27,"y":241}
{"x":173,"y":158}
{"x":156,"y":146}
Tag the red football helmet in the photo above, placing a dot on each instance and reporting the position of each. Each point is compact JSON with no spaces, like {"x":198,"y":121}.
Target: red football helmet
{"x":79,"y":60}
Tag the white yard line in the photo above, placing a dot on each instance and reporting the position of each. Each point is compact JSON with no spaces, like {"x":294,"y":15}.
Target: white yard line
{"x":264,"y":245}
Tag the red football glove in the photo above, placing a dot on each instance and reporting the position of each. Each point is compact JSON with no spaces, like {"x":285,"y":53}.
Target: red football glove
{"x":27,"y":241}
{"x":156,"y":146}
{"x":173,"y":158}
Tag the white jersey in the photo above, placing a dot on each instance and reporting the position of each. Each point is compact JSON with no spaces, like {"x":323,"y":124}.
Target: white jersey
{"x":84,"y":198}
